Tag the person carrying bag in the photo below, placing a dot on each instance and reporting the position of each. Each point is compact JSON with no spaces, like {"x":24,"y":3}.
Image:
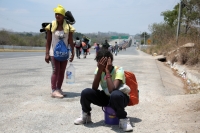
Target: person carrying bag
{"x":58,"y":46}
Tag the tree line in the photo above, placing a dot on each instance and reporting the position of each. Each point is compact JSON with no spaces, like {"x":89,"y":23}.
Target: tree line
{"x":163,"y":35}
{"x":38,"y":39}
{"x":164,"y":32}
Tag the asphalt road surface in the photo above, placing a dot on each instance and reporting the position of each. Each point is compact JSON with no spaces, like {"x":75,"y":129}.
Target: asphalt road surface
{"x":26,"y":105}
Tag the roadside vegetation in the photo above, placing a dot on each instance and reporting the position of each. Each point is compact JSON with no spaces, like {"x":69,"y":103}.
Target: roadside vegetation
{"x":186,"y":49}
{"x":163,"y":35}
{"x":24,"y":39}
{"x":38,"y":39}
{"x":21,"y":39}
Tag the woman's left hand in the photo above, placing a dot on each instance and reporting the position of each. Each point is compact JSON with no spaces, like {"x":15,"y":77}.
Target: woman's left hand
{"x":71,"y":58}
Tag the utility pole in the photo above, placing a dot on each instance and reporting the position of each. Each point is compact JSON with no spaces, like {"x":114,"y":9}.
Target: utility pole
{"x":140,"y":38}
{"x":198,"y":26}
{"x":144,"y":38}
{"x":178,"y":26}
{"x":118,"y":39}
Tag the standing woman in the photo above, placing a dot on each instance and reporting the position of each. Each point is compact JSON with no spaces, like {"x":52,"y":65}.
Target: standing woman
{"x":58,"y":28}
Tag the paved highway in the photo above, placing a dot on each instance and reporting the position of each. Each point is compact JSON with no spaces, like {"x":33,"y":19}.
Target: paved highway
{"x":26,"y":105}
{"x":4,"y":55}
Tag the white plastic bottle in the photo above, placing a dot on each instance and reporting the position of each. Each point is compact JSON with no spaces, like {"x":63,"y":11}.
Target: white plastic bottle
{"x":70,"y":74}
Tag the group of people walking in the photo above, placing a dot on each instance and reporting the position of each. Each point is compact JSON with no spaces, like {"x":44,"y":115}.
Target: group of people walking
{"x":115,"y":49}
{"x":108,"y":76}
{"x":82,"y":47}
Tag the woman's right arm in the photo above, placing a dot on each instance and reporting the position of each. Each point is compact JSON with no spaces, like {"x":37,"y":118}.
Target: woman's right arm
{"x":48,"y":45}
{"x":97,"y":77}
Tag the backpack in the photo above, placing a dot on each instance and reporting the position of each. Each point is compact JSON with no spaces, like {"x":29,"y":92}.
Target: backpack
{"x":106,"y":45}
{"x":89,"y":46}
{"x":132,"y":83}
{"x":84,"y":45}
{"x":77,"y":43}
{"x":61,"y":52}
{"x":68,"y":18}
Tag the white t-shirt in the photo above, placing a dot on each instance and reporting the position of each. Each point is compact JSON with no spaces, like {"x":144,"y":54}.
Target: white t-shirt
{"x":55,"y":40}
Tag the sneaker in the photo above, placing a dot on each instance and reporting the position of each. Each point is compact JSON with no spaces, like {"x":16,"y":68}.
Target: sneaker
{"x":56,"y":94}
{"x":125,"y":125}
{"x":84,"y":118}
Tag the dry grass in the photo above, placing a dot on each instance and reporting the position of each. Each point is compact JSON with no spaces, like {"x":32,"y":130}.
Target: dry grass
{"x":175,"y":53}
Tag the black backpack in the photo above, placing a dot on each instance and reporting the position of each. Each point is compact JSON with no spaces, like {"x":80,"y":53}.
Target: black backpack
{"x":68,"y":18}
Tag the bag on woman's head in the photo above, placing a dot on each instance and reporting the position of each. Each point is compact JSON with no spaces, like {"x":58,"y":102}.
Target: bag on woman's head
{"x":61,"y":52}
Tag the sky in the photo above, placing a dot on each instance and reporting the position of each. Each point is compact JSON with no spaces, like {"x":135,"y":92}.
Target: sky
{"x":92,"y":16}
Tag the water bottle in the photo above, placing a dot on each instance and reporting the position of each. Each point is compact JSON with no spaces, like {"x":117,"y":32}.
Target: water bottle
{"x":70,"y":74}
